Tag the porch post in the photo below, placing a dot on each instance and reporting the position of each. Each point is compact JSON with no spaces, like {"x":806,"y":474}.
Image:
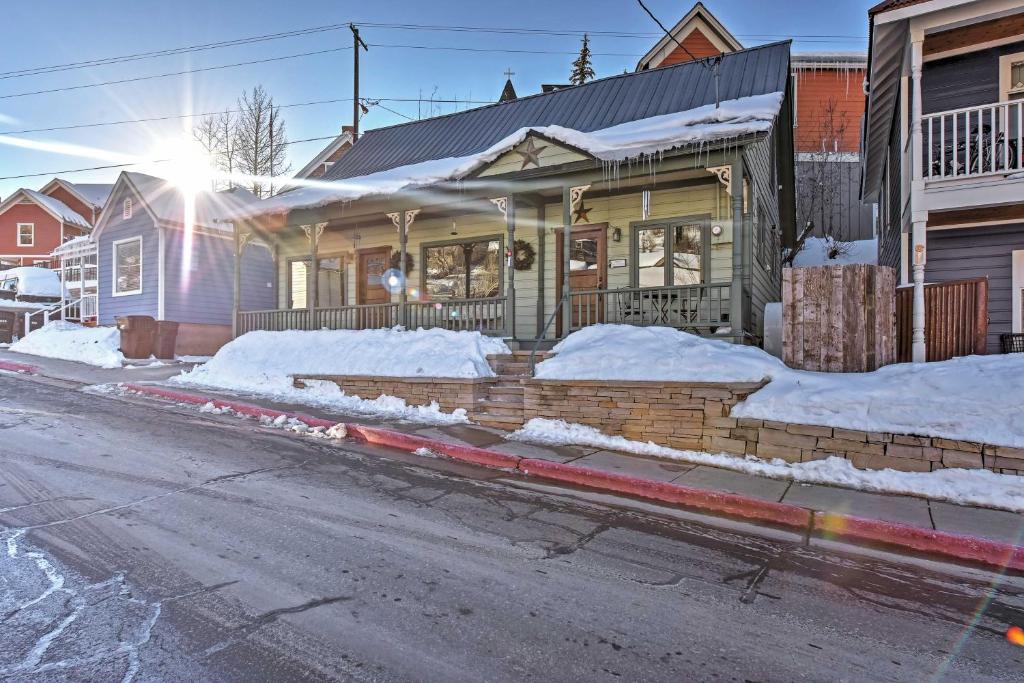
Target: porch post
{"x":919,"y":234}
{"x":313,"y":286}
{"x":566,"y":252}
{"x":236,"y":305}
{"x":736,"y":288}
{"x":541,"y":275}
{"x":510,"y":301}
{"x":403,"y":240}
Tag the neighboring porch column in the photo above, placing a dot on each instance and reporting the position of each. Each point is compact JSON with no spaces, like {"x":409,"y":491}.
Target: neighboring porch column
{"x":507,"y":207}
{"x":313,"y":233}
{"x":236,"y":306}
{"x":402,"y":220}
{"x":736,"y":288}
{"x":919,"y":236}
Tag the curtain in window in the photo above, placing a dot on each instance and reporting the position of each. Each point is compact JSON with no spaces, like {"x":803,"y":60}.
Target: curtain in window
{"x":129,"y":266}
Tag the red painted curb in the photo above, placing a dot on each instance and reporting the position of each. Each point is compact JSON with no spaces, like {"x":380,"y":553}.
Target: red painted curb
{"x":11,"y":366}
{"x":675,"y":494}
{"x":983,"y":550}
{"x":411,"y":442}
{"x":829,"y":525}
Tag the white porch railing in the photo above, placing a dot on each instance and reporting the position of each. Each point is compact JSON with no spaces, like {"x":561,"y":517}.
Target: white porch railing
{"x":974,"y":141}
{"x":79,"y":310}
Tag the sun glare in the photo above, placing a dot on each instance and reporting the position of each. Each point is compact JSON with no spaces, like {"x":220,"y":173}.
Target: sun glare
{"x":189,"y":167}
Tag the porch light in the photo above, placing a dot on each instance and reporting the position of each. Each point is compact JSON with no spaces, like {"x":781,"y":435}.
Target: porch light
{"x":455,"y":230}
{"x":616,"y":234}
{"x":716,"y":230}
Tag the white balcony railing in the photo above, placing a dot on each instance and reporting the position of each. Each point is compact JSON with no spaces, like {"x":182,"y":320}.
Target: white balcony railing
{"x":974,"y":141}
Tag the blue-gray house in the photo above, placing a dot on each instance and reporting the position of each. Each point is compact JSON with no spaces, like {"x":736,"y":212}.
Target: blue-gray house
{"x":163,"y":255}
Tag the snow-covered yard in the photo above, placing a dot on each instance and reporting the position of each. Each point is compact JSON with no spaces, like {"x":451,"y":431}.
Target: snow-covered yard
{"x":962,"y":486}
{"x":98,"y":346}
{"x":263,"y":363}
{"x":965,"y":398}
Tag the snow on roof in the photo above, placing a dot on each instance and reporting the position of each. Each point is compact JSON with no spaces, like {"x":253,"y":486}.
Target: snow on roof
{"x":816,"y":252}
{"x":95,"y":193}
{"x":631,"y":140}
{"x":167,"y":202}
{"x":34,"y":281}
{"x":62,"y":211}
{"x":83,"y":244}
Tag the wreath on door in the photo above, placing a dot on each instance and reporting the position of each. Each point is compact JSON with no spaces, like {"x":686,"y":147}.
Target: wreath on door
{"x":396,"y":258}
{"x":523,"y":255}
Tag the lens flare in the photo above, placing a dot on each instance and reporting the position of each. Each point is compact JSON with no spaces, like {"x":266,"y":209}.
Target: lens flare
{"x":1015,"y":634}
{"x":393,"y":280}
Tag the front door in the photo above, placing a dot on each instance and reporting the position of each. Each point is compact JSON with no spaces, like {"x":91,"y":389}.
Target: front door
{"x":372,"y":265}
{"x":588,"y":271}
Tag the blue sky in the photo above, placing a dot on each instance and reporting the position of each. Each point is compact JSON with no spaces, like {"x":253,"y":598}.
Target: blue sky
{"x":64,"y":31}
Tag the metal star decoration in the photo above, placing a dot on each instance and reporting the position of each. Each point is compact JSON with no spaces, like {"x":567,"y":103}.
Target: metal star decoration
{"x":582,"y":214}
{"x":531,"y":154}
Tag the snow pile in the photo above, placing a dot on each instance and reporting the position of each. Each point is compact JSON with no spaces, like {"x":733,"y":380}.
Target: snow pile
{"x":824,"y":251}
{"x":264,"y":363}
{"x":34,"y":281}
{"x":98,"y":346}
{"x":962,"y":486}
{"x":631,"y":140}
{"x":625,"y":352}
{"x":974,"y":398}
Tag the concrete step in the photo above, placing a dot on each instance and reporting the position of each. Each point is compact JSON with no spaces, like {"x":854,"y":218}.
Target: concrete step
{"x":514,"y":369}
{"x":499,"y":408}
{"x":488,"y":419}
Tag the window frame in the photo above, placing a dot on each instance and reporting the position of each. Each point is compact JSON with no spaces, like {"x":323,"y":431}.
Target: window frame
{"x":669,"y":223}
{"x":498,"y":237}
{"x":113,"y":283}
{"x":1006,"y":63}
{"x":32,"y":241}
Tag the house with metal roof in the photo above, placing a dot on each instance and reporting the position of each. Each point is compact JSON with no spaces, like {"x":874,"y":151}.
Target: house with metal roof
{"x":661,"y":197}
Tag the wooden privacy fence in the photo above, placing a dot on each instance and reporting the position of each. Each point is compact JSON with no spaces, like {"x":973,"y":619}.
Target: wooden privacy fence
{"x":839,"y":318}
{"x":955,"y":319}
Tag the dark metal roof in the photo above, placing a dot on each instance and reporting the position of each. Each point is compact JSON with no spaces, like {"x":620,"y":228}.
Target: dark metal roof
{"x":586,"y":108}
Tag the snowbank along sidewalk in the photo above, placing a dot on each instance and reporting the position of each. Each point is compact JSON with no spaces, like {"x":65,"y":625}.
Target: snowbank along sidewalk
{"x":264,"y":363}
{"x":99,"y":346}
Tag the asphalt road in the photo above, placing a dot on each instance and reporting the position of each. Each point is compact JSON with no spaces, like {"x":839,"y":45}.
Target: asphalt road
{"x":157,"y":543}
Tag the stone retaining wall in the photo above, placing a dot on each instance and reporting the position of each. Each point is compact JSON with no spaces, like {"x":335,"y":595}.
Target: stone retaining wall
{"x":695,"y":416}
{"x":868,"y":450}
{"x":675,"y":414}
{"x":449,"y":393}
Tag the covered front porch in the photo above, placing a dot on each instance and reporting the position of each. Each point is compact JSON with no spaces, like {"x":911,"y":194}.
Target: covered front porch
{"x":641,"y":251}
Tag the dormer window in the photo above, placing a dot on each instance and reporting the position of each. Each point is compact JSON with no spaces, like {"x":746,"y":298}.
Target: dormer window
{"x":126,"y":209}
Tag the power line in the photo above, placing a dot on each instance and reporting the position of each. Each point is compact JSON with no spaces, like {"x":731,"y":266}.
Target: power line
{"x":173,"y":73}
{"x":104,"y":61}
{"x":173,"y":117}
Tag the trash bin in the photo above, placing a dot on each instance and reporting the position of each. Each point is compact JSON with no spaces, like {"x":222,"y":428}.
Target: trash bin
{"x":138,"y":334}
{"x":166,"y":338}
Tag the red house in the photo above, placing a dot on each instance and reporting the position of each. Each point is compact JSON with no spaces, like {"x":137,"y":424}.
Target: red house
{"x":35,"y":222}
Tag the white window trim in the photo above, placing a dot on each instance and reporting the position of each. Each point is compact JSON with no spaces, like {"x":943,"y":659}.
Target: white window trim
{"x":1005,"y":62}
{"x":113,"y":283}
{"x":1017,"y":283}
{"x":32,"y":242}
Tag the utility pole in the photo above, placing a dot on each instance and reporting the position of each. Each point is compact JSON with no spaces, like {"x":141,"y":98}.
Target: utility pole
{"x":357,"y":42}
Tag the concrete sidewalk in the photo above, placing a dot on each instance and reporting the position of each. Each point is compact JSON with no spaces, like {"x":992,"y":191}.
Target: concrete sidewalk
{"x":996,"y":525}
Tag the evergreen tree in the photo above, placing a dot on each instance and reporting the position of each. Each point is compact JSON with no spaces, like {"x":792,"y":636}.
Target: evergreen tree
{"x":582,"y":70}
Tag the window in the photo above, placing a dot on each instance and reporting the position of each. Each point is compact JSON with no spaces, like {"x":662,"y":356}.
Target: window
{"x":126,"y":208}
{"x":1011,"y":77}
{"x":26,"y":234}
{"x":469,"y":269}
{"x":331,"y":277}
{"x":128,"y":267}
{"x":687,"y":264}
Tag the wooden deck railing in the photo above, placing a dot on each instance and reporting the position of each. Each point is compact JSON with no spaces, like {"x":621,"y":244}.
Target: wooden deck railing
{"x":684,"y":307}
{"x":974,"y":141}
{"x":483,"y":315}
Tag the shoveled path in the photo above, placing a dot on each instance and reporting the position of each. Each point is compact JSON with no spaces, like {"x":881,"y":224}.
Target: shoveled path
{"x":209,"y":548}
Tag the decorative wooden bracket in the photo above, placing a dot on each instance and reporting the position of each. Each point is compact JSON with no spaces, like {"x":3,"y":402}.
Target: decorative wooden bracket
{"x":502,"y":204}
{"x":308,"y":229}
{"x":410,"y":216}
{"x":576,"y":194}
{"x":724,"y":174}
